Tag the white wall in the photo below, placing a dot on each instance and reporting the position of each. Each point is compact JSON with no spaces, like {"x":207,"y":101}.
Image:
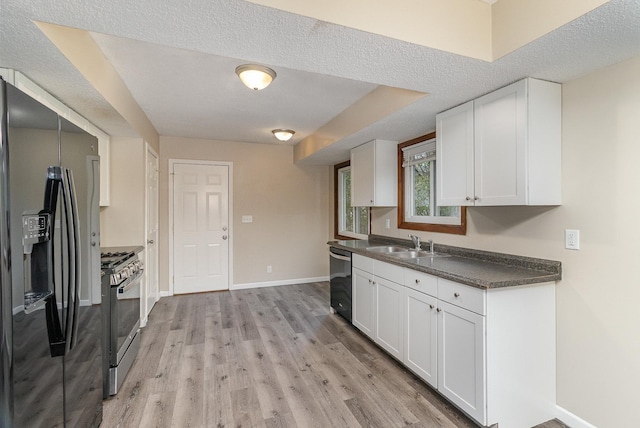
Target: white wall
{"x":122,"y":222}
{"x":289,"y":205}
{"x":598,"y":299}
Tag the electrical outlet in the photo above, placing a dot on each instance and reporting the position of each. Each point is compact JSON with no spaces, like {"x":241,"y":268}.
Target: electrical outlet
{"x":387,"y":223}
{"x":247,"y":219}
{"x":269,"y":269}
{"x":572,"y":239}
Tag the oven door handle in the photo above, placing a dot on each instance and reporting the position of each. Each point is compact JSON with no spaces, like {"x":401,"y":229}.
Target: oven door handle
{"x":130,"y":282}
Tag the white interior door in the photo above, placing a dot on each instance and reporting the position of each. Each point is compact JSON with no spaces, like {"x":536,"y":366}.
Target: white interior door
{"x":200,"y":227}
{"x":151,"y":248}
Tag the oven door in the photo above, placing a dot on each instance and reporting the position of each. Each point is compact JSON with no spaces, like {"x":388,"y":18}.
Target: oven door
{"x":125,"y":316}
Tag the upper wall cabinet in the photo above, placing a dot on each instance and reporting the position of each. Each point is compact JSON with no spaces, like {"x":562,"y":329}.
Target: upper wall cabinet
{"x":374,"y":174}
{"x":503,"y":148}
{"x":29,"y":87}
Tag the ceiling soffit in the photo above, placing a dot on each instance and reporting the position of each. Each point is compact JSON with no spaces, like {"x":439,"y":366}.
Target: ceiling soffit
{"x":485,"y":30}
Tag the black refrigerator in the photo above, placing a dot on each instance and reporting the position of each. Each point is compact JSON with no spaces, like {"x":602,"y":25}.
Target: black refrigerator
{"x":50,"y":319}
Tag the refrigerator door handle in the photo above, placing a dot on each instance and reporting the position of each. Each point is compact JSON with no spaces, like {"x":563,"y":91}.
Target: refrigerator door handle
{"x":74,"y":303}
{"x":57,"y":345}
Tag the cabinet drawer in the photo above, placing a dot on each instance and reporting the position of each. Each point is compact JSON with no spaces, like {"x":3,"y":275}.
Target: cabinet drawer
{"x":464,"y":296}
{"x":421,"y":282}
{"x":388,"y":271}
{"x":362,"y":263}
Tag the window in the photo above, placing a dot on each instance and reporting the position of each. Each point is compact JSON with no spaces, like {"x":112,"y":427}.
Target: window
{"x":417,"y":209}
{"x":350,"y":222}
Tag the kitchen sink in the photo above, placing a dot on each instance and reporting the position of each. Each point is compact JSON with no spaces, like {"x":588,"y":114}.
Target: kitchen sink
{"x":416,"y":254}
{"x":388,"y":249}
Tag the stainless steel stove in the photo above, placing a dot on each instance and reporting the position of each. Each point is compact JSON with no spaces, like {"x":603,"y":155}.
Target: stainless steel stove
{"x":121,"y":320}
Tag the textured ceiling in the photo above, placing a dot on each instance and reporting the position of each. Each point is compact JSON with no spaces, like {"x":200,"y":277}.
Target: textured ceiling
{"x":177,"y":58}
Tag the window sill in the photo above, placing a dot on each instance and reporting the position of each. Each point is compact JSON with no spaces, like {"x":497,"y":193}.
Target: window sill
{"x":460,"y":229}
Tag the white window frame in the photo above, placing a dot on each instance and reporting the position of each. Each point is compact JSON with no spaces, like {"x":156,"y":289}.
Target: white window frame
{"x":418,"y":153}
{"x":342,"y":210}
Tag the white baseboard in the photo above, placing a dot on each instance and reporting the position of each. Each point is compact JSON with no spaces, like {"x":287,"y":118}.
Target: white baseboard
{"x":275,"y":283}
{"x":248,"y":285}
{"x":572,"y":420}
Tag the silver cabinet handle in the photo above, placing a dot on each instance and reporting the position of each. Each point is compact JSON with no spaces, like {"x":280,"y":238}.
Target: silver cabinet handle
{"x":431,"y":306}
{"x":468,"y":198}
{"x":417,"y":281}
{"x":149,"y":241}
{"x":456,"y":294}
{"x":438,"y":310}
{"x":224,"y":228}
{"x":224,"y":237}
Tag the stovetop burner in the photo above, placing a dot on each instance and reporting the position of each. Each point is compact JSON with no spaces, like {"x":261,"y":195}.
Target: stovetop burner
{"x":113,"y":259}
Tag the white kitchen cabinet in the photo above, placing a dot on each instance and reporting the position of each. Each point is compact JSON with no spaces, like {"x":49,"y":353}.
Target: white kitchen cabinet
{"x":421,"y":335}
{"x":461,"y":358}
{"x":503,"y":148}
{"x":491,"y":352}
{"x":377,"y":302}
{"x":389,"y":322}
{"x":374,"y":174}
{"x":364,"y":295}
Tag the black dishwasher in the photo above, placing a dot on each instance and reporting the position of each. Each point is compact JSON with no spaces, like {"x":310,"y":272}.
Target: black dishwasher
{"x":340,"y":281}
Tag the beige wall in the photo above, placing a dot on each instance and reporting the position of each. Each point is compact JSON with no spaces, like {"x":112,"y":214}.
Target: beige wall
{"x":122,"y":222}
{"x":598,"y":315}
{"x":289,"y":205}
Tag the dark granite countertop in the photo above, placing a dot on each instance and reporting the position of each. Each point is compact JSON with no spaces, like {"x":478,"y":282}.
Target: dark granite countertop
{"x":482,"y":269}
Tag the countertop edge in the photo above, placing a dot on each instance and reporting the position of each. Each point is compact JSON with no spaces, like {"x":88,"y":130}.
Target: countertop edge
{"x":542,"y":270}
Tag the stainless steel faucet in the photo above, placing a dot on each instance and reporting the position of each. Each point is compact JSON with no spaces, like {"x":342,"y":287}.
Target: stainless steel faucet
{"x":416,"y":241}
{"x":430,"y":242}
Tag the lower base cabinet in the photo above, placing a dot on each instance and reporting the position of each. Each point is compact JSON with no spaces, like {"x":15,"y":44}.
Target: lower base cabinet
{"x":363,"y":316}
{"x":389,"y":325}
{"x":490,"y":352}
{"x":445,"y":344}
{"x":421,"y":335}
{"x":377,"y":304}
{"x":461,"y":359}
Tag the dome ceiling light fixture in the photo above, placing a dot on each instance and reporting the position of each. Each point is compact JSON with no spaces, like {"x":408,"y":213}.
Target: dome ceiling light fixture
{"x":254,"y":76}
{"x":283,"y":134}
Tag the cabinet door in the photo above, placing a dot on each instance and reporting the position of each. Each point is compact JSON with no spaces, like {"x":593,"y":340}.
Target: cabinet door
{"x":364,"y":302}
{"x":454,"y":149}
{"x":500,"y":146}
{"x":461,"y":359}
{"x":363,"y":175}
{"x":421,"y":335}
{"x":388,"y":333}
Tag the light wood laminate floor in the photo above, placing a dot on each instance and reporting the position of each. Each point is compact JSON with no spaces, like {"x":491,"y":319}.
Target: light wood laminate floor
{"x":268,"y":357}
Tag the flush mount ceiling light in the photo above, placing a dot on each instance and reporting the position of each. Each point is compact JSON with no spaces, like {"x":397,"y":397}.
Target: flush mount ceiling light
{"x":255,"y":77}
{"x":283,"y":134}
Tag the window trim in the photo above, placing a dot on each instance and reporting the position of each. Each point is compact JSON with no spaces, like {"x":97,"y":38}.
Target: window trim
{"x":460,"y":229}
{"x":336,"y":204}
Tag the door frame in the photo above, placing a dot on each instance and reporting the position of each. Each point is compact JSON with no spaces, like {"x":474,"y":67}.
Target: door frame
{"x":173,"y":162}
{"x":95,"y":289}
{"x":149,"y":150}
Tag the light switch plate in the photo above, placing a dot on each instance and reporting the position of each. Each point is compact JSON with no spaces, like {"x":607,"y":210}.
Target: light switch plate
{"x":572,"y":239}
{"x":247,"y":219}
